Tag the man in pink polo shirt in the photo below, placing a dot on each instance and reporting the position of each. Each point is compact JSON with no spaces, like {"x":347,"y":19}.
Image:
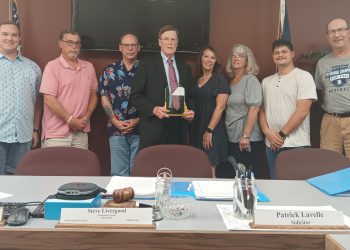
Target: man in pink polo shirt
{"x":69,"y":88}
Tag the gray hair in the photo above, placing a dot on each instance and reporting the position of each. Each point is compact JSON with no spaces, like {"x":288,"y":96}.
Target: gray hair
{"x":337,"y":18}
{"x":71,"y":32}
{"x":125,"y":34}
{"x":251,"y":67}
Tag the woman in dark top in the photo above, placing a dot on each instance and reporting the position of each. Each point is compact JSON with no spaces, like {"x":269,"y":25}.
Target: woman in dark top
{"x":211,"y":96}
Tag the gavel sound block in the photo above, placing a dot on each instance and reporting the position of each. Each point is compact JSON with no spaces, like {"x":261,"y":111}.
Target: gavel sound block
{"x":122,"y":198}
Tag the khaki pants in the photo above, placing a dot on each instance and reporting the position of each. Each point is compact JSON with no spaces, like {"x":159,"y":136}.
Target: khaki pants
{"x":77,"y":140}
{"x":335,"y":134}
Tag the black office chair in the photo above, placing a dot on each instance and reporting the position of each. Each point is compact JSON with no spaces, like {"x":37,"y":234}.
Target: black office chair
{"x":304,"y":163}
{"x":183,"y":161}
{"x":59,"y":161}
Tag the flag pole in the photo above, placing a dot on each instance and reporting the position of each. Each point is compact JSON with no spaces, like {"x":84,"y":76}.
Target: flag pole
{"x":10,"y":10}
{"x":279,"y":21}
{"x":279,"y":26}
{"x":282,"y":14}
{"x":14,"y":17}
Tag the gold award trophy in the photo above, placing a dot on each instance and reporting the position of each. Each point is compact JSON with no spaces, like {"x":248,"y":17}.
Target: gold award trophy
{"x":175,"y":102}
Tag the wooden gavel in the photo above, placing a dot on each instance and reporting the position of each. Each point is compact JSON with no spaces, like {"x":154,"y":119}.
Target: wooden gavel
{"x":123,"y":195}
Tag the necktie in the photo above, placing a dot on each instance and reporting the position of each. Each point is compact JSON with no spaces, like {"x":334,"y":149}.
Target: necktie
{"x":173,"y":85}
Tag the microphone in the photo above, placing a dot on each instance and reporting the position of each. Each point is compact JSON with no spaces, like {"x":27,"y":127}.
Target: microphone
{"x":238,"y":167}
{"x":241,"y":168}
{"x":233,"y":162}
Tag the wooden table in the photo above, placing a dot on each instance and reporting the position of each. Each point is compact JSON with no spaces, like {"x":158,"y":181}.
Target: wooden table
{"x":337,"y":241}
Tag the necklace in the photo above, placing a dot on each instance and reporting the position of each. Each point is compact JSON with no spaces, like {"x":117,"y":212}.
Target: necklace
{"x":238,"y":76}
{"x":236,"y":79}
{"x":204,"y":79}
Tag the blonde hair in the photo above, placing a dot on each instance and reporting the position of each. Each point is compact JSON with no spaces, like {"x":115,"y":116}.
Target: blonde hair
{"x":251,"y":67}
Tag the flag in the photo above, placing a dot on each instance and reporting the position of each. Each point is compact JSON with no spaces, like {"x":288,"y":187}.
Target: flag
{"x":14,"y":17}
{"x":283,"y":26}
{"x":14,"y":12}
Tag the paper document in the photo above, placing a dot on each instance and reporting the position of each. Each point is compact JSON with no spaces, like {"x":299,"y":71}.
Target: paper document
{"x":233,"y":223}
{"x":144,"y":187}
{"x":218,"y":190}
{"x":230,"y":221}
{"x":211,"y":190}
{"x":5,"y":195}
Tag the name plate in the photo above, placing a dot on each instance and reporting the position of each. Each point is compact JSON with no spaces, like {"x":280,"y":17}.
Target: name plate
{"x":298,"y":217}
{"x":1,"y":213}
{"x":121,"y":216}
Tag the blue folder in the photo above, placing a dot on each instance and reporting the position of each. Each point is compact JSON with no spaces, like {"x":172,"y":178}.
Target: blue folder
{"x":262,"y":197}
{"x":336,"y":183}
{"x":182,"y":188}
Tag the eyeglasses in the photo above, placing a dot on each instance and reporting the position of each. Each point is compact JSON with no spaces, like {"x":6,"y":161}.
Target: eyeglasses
{"x":238,"y":56}
{"x":71,"y":43}
{"x":129,"y":45}
{"x":339,"y":31}
{"x":169,"y":40}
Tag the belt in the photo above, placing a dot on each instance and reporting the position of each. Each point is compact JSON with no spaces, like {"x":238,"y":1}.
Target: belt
{"x":346,"y":114}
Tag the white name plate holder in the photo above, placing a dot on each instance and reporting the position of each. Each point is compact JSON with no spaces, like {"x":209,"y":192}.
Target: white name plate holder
{"x":106,"y":218}
{"x":2,"y":220}
{"x":298,"y":219}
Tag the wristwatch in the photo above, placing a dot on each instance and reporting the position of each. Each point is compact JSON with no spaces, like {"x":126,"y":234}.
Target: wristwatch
{"x":282,"y":134}
{"x":245,"y":136}
{"x":209,"y":130}
{"x":36,"y":130}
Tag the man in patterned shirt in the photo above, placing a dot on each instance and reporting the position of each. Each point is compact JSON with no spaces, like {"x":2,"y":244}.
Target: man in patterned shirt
{"x":114,"y":88}
{"x":20,"y":103}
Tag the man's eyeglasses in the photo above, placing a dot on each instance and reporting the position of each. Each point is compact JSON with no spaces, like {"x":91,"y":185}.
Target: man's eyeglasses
{"x":129,"y":45}
{"x":339,"y":31}
{"x":72,"y":43}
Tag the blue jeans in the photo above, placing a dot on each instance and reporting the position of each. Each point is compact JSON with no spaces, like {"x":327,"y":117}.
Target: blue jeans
{"x":123,"y":150}
{"x":271,"y":158}
{"x":11,"y":154}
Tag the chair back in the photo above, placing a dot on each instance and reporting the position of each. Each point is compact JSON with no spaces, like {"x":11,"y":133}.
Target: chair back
{"x":304,"y":163}
{"x":183,"y":161}
{"x":59,"y":161}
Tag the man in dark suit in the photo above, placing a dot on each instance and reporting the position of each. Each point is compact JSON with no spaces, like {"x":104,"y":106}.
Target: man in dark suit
{"x":156,"y":73}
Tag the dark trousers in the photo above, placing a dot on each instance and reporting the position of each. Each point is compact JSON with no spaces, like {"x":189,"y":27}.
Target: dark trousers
{"x":249,"y":159}
{"x":174,"y":132}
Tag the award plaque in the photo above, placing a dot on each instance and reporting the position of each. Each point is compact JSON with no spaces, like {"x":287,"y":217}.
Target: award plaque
{"x":175,"y":102}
